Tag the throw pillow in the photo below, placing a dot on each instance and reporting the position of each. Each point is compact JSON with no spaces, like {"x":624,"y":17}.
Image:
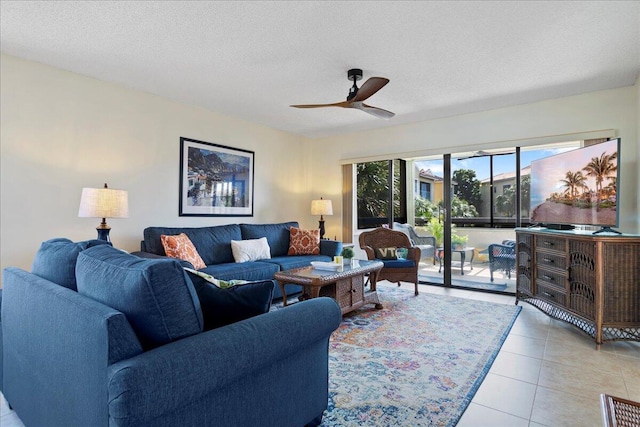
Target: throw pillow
{"x":56,"y":260}
{"x":222,"y":307}
{"x":156,"y":295}
{"x":250,"y":250}
{"x":386,"y":253}
{"x":181,"y":247}
{"x":304,"y":242}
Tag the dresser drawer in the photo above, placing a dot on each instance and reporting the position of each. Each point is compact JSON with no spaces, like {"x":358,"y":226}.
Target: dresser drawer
{"x":551,"y":294}
{"x":555,"y":243}
{"x":551,"y":278}
{"x":544,"y":259}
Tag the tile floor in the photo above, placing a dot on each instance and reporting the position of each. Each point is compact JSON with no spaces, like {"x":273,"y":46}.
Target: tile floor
{"x":548,"y":373}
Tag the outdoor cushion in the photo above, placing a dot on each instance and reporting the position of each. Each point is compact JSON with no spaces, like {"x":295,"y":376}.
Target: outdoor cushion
{"x":157,"y":297}
{"x":56,"y":260}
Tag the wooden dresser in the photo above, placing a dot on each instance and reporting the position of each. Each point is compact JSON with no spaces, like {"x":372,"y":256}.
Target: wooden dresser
{"x":590,"y":281}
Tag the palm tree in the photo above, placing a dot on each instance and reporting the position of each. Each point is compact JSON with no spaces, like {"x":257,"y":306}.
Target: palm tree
{"x":573,"y":181}
{"x":600,"y":168}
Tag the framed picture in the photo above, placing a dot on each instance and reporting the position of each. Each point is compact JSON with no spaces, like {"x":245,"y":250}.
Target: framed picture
{"x":215,"y":180}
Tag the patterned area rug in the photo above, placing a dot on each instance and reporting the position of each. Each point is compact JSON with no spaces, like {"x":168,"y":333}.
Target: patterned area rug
{"x":417,"y":362}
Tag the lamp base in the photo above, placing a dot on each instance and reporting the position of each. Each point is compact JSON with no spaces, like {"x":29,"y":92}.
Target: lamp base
{"x":321,"y":227}
{"x":103,"y":233}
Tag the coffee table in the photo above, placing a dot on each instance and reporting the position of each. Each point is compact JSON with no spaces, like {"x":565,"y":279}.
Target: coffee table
{"x":346,"y":286}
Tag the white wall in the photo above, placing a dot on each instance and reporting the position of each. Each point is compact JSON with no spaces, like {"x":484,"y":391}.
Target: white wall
{"x":61,"y":131}
{"x":615,"y":109}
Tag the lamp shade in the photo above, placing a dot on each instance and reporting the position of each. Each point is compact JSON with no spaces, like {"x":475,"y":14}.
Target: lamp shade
{"x":321,"y":207}
{"x":104,"y":203}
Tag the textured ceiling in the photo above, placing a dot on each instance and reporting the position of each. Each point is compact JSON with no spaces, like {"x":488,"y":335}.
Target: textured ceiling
{"x":253,"y":59}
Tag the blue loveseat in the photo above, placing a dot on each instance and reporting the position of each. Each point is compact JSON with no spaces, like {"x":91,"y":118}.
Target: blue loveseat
{"x":72,"y":359}
{"x":214,"y":247}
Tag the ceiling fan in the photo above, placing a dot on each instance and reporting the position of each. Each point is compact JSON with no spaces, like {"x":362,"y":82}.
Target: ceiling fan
{"x":359,"y":94}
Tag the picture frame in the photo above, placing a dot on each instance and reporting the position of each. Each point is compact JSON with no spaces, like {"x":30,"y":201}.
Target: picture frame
{"x":215,"y":180}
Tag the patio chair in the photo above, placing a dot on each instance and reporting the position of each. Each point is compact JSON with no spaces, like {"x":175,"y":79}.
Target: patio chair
{"x":502,"y":257}
{"x":427,"y":244}
{"x":378,"y":242}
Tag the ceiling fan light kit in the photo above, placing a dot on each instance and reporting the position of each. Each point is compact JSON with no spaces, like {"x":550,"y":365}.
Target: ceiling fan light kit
{"x":359,"y":94}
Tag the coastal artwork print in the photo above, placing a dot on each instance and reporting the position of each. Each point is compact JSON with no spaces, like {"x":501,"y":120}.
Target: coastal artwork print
{"x":215,"y":180}
{"x":576,"y":187}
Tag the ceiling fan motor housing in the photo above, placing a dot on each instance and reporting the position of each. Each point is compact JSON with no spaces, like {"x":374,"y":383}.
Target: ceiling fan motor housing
{"x":354,"y":74}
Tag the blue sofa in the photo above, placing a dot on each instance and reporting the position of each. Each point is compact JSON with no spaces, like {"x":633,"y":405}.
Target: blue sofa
{"x":214,"y":246}
{"x":70,"y":359}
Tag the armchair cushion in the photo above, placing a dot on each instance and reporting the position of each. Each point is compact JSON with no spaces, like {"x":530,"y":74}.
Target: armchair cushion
{"x":157,"y":297}
{"x":385,"y":253}
{"x":398,"y":263}
{"x":56,"y":260}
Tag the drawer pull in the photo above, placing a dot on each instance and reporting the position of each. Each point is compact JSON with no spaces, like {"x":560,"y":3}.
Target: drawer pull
{"x":548,"y":243}
{"x":548,"y":260}
{"x":549,"y":278}
{"x":547,"y":294}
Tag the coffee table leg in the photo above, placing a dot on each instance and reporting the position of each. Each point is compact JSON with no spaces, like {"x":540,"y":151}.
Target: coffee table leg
{"x":284,"y":293}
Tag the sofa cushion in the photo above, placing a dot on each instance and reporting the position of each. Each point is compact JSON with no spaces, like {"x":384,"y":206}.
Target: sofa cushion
{"x":181,"y":247}
{"x":277,"y":235}
{"x":294,"y":261}
{"x":212,"y":243}
{"x":157,"y":297}
{"x":250,"y":250}
{"x":250,"y":270}
{"x":304,"y":242}
{"x":225,"y":306}
{"x":56,"y":260}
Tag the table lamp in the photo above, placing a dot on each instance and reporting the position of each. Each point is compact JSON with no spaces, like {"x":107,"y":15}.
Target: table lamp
{"x":103,"y":203}
{"x":321,"y":207}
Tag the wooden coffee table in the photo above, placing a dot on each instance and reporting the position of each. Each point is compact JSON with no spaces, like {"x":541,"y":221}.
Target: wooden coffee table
{"x":346,"y":287}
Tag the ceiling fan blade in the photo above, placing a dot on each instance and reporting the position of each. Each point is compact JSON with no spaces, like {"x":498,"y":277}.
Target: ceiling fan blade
{"x":335,"y":104}
{"x":370,"y":87}
{"x":374,"y":111}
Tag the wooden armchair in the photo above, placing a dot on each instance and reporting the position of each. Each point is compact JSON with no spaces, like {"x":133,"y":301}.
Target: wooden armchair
{"x":394,"y":270}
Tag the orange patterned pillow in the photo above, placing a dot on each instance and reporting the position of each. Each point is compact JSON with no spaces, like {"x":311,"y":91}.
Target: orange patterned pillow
{"x":304,"y":242}
{"x":181,"y":247}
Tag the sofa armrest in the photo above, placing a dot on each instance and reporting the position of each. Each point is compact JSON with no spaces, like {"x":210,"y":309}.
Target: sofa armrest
{"x":330,"y":248}
{"x":150,"y":255}
{"x":57,"y":346}
{"x":160,"y":382}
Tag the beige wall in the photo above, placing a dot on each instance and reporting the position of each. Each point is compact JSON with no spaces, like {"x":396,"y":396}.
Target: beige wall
{"x":522,"y":125}
{"x":61,"y":131}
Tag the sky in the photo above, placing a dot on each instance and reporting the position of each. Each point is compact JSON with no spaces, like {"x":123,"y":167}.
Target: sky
{"x":501,"y":164}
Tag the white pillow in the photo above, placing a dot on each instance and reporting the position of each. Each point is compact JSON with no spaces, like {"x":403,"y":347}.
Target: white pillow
{"x":250,"y":249}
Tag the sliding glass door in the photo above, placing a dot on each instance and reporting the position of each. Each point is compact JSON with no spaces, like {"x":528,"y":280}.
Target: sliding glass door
{"x":469,"y":202}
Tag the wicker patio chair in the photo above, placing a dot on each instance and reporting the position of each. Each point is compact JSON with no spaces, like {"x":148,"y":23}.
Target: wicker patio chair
{"x":427,"y":244}
{"x":619,"y":412}
{"x":502,"y":257}
{"x":394,"y":270}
